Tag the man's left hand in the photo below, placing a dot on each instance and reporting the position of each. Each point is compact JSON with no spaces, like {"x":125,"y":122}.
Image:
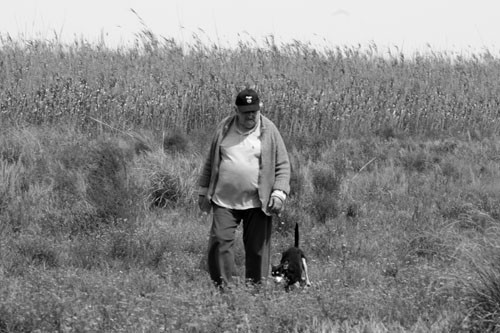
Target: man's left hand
{"x":275,"y":205}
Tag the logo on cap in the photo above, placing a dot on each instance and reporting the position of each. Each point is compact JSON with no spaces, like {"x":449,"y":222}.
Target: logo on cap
{"x":249,"y":99}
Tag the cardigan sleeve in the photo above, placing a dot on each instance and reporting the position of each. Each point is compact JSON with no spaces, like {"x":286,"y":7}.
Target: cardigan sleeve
{"x":282,"y":165}
{"x":208,"y":167}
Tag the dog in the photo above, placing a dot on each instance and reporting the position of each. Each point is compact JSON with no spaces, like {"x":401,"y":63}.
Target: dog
{"x":292,"y":269}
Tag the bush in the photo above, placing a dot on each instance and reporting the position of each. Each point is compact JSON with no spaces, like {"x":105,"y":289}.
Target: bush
{"x":107,"y":181}
{"x":325,"y":206}
{"x":298,"y":177}
{"x":326,"y":186}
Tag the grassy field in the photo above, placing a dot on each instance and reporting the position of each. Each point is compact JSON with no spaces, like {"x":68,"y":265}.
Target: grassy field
{"x":395,"y":185}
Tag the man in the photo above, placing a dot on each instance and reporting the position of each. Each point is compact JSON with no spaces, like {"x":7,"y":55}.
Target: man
{"x":245,"y":177}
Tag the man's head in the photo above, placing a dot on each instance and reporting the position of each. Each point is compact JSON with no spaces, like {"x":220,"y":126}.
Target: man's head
{"x":247,"y":108}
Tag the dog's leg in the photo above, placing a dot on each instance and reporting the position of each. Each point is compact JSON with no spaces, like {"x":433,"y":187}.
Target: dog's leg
{"x":304,"y":265}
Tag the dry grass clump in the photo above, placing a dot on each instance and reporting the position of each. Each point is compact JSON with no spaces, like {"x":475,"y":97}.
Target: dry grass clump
{"x":166,"y":190}
{"x":483,"y":289}
{"x":167,"y":178}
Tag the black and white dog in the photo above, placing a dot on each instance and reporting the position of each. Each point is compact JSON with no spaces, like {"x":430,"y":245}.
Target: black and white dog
{"x":293,"y":266}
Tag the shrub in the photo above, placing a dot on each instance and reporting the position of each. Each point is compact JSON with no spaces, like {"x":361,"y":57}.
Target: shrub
{"x":326,"y":192}
{"x":326,"y":179}
{"x":325,"y":206}
{"x":298,"y":178}
{"x":165,"y":180}
{"x":107,"y":181}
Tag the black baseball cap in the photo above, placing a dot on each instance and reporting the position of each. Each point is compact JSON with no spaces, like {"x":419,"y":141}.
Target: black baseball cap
{"x":248,"y":100}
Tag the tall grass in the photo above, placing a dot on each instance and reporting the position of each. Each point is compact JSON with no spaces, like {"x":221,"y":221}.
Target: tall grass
{"x":395,"y":187}
{"x":344,"y":91}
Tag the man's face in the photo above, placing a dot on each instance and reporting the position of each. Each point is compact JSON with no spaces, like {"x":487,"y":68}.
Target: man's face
{"x":247,"y":119}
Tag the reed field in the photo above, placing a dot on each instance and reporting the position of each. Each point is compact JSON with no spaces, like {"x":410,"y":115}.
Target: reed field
{"x":395,"y":186}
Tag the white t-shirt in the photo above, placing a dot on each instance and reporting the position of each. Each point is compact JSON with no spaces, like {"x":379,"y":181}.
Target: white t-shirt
{"x":237,"y":185}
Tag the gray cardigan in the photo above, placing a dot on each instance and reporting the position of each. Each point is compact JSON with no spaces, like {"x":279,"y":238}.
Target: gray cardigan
{"x":274,"y":162}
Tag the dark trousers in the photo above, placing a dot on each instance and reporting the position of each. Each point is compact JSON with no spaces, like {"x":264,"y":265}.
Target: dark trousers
{"x":257,"y":228}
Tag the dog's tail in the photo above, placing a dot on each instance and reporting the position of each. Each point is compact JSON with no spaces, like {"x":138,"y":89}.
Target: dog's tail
{"x":296,"y":234}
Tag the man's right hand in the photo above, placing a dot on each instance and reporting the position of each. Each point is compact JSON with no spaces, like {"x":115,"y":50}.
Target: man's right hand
{"x":204,"y":204}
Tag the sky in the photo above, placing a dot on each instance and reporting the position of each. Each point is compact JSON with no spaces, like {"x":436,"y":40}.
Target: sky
{"x":417,"y":25}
